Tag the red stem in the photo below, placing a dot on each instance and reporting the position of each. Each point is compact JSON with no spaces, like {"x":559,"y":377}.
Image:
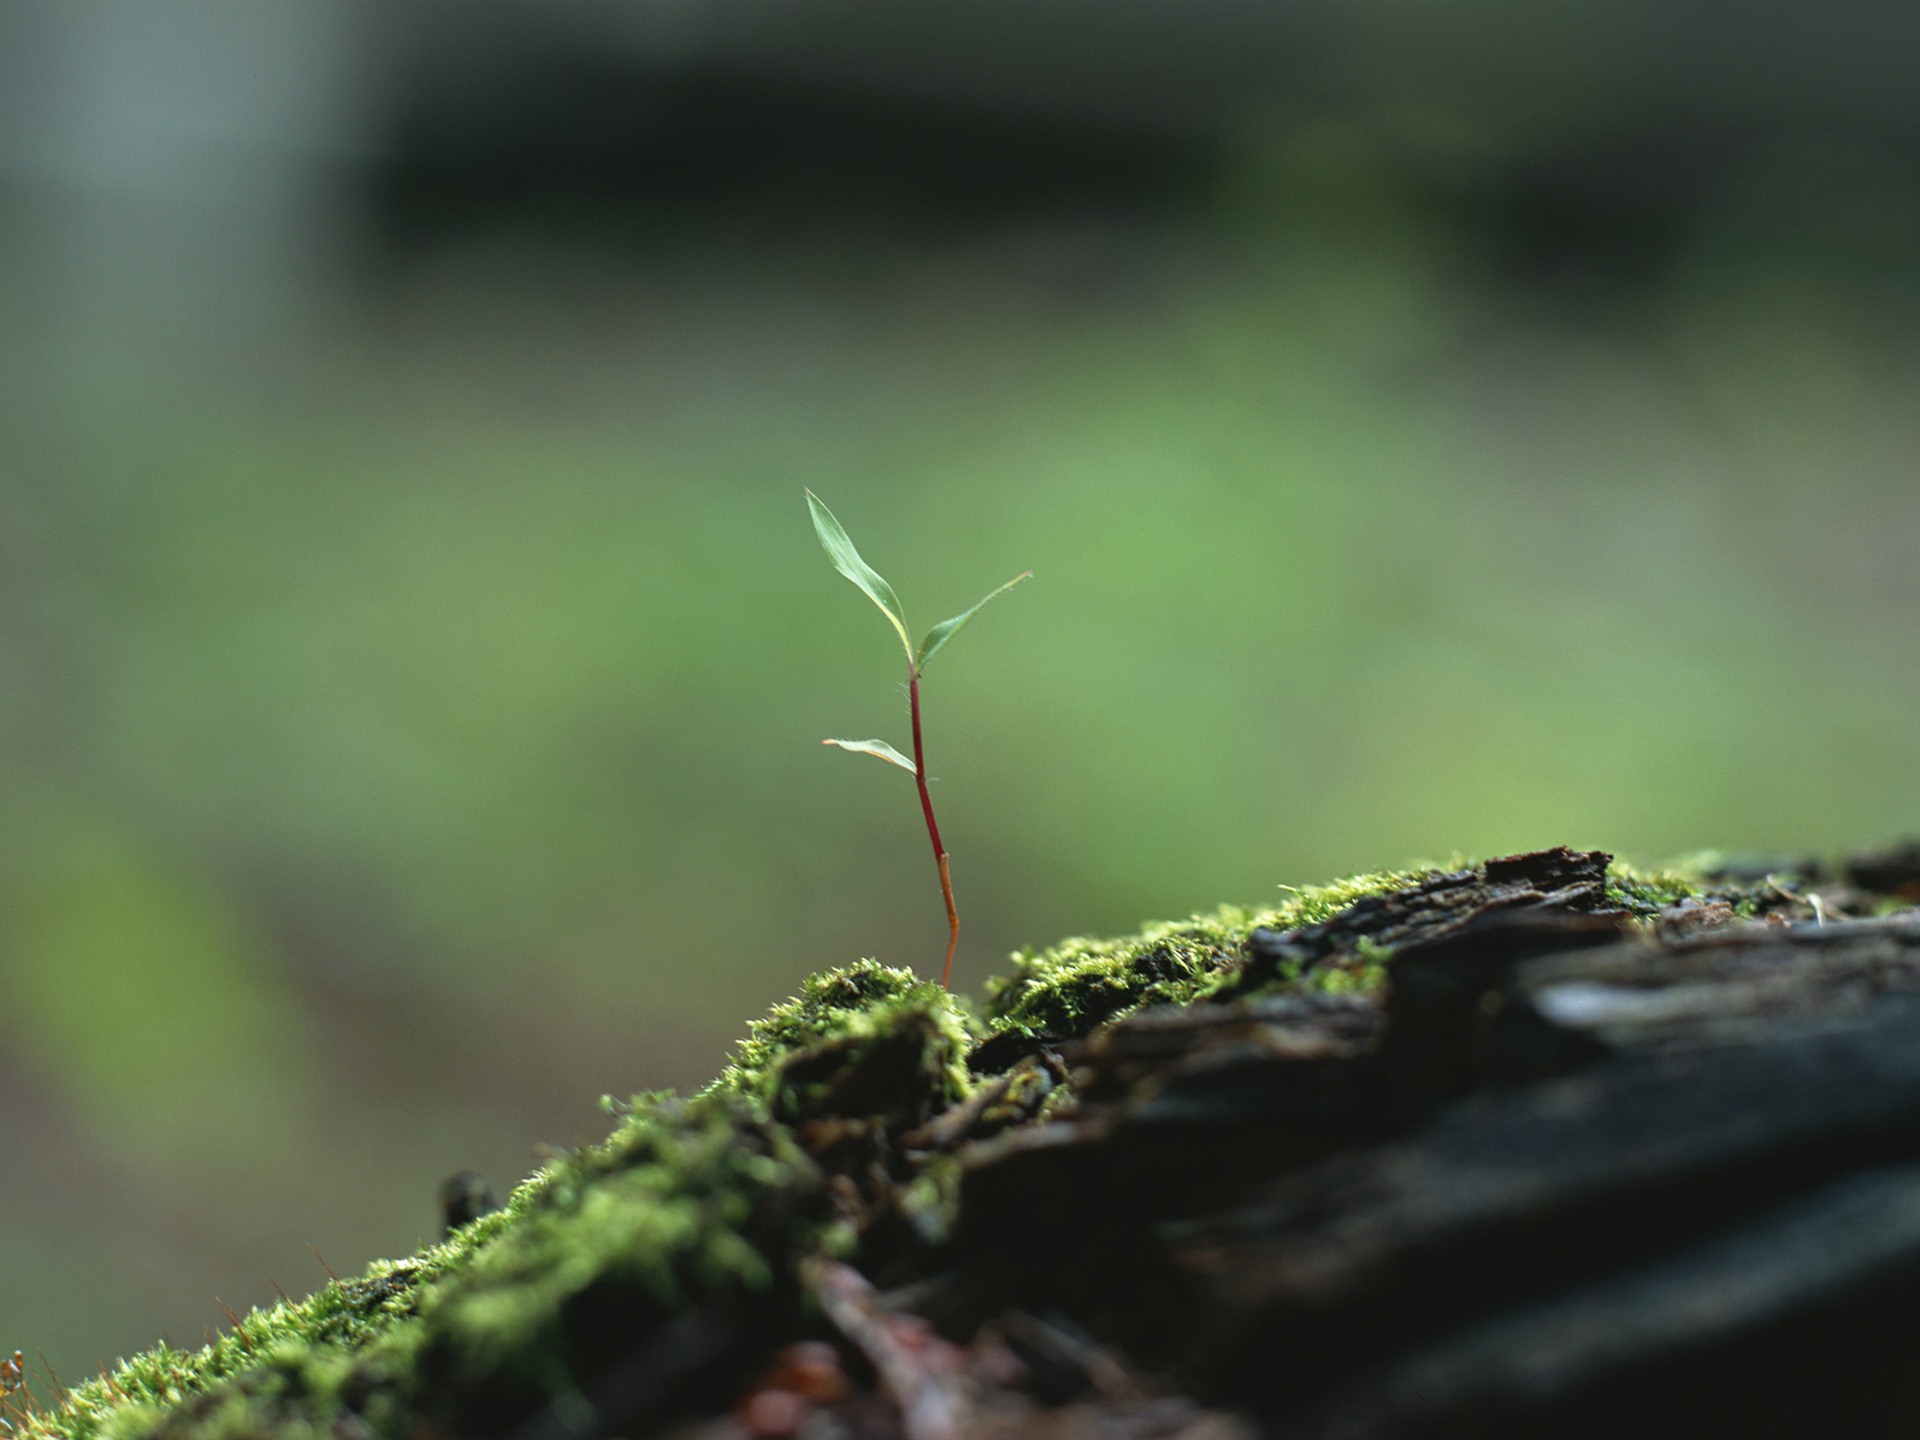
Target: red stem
{"x":933,"y":827}
{"x":920,"y":763}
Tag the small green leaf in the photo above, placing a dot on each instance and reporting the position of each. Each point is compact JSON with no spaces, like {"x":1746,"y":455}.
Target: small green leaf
{"x":878,"y":748}
{"x":847,"y":561}
{"x":943,"y":632}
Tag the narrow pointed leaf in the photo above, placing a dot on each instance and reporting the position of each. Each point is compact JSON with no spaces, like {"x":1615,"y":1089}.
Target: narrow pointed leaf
{"x":943,"y":632}
{"x":847,"y":561}
{"x":877,"y":748}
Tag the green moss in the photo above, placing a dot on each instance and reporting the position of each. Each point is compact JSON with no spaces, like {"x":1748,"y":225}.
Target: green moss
{"x":661,"y":1207}
{"x":1363,"y":973}
{"x":340,"y":1318}
{"x":688,"y":1201}
{"x":696,"y":1202}
{"x":1069,"y":988}
{"x":1645,"y":892}
{"x":847,"y":1008}
{"x":1701,"y":876}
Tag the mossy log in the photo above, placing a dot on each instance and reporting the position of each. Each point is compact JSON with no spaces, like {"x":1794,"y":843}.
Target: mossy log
{"x":1539,"y":1146}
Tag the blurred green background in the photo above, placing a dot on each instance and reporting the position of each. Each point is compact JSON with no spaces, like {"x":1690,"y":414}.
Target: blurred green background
{"x":1433,"y":429}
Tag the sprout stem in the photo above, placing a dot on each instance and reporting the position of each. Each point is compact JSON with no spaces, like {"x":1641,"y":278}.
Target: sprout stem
{"x":933,"y":827}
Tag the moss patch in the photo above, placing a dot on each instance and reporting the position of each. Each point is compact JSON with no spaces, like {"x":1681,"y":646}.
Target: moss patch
{"x":1069,"y":988}
{"x":1749,"y":891}
{"x":851,"y":1007}
{"x":689,"y":1205}
{"x":689,"y":1220}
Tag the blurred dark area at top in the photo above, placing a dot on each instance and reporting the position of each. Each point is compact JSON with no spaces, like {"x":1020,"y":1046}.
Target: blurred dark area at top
{"x":1480,"y":426}
{"x":1570,"y":147}
{"x":1575,"y":146}
{"x":564,"y":128}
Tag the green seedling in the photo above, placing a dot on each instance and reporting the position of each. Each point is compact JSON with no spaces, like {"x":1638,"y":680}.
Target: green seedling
{"x":847,"y":561}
